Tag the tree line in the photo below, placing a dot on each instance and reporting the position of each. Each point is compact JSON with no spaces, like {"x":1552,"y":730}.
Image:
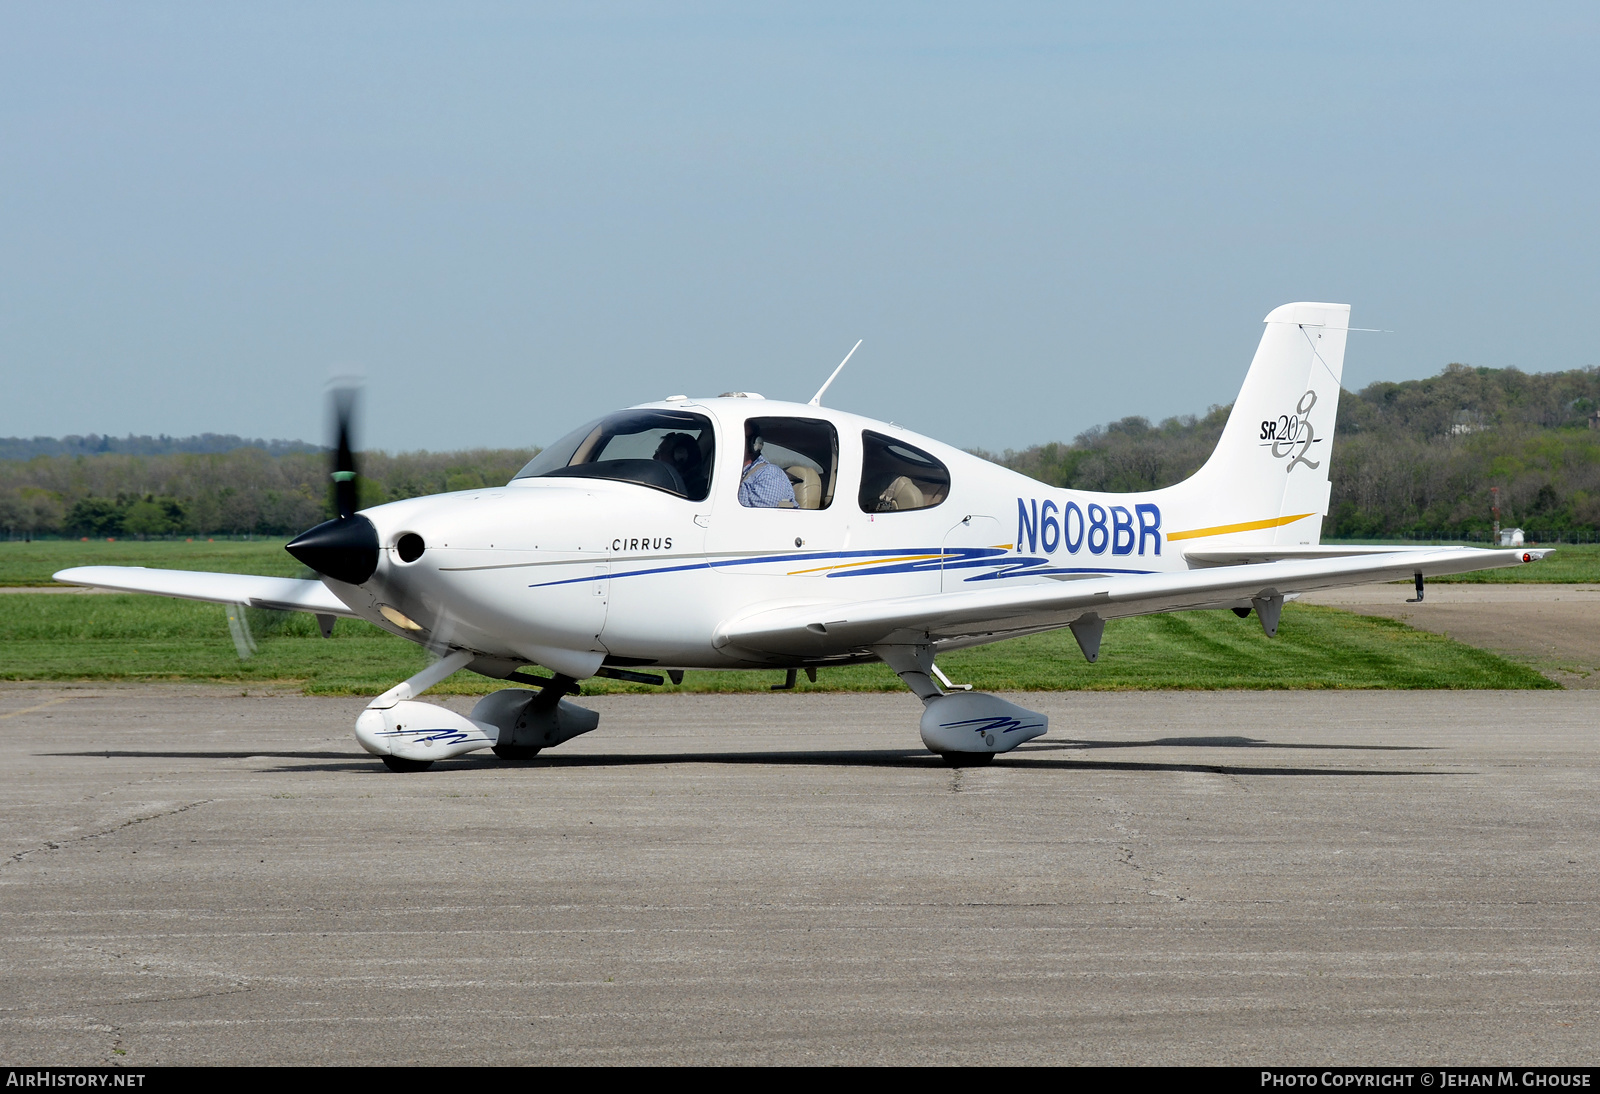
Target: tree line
{"x":94,"y":444}
{"x":1411,"y":458}
{"x":246,"y":491}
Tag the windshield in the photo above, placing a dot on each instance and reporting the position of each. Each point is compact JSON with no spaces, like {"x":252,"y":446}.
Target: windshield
{"x":668,"y":450}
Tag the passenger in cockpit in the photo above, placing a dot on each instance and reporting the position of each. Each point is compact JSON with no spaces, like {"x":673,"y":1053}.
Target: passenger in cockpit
{"x":682,"y":452}
{"x":763,"y":485}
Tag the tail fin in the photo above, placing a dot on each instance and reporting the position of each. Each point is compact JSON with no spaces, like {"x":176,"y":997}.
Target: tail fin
{"x":1267,"y":482}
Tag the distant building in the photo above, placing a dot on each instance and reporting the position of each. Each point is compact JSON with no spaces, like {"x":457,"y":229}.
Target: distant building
{"x":1511,"y":537}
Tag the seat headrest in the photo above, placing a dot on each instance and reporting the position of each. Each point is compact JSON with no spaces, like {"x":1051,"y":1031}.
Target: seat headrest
{"x":807,"y":486}
{"x":902,"y":493}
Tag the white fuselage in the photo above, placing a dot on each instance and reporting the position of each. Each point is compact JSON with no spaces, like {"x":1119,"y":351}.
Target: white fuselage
{"x":544,"y":567}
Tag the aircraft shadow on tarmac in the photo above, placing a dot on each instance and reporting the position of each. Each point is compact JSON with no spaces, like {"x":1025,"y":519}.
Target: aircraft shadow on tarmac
{"x":1213,"y":742}
{"x":1026,"y":757}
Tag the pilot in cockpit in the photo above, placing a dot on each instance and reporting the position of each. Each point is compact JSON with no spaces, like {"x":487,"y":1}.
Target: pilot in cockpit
{"x":762,"y":485}
{"x":682,"y":452}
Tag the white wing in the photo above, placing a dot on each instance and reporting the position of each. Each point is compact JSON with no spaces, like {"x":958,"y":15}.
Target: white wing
{"x":281,"y":593}
{"x":968,"y":618}
{"x":1200,"y":557}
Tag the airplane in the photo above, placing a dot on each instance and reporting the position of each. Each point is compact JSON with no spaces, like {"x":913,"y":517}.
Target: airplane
{"x":628,"y":545}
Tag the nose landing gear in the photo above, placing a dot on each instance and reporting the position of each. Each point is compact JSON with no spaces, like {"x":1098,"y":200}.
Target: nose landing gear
{"x":516,"y":723}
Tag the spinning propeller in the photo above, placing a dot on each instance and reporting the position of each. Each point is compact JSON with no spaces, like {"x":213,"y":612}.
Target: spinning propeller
{"x":346,"y":547}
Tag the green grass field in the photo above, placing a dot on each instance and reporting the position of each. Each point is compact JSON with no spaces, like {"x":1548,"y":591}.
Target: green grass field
{"x":1572,"y":564}
{"x":118,"y":637}
{"x":33,"y":563}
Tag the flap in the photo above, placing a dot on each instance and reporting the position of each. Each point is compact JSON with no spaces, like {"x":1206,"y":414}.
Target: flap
{"x":842,"y":627}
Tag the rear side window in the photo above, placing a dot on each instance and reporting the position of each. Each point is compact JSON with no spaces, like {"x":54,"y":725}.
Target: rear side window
{"x":896,"y":476}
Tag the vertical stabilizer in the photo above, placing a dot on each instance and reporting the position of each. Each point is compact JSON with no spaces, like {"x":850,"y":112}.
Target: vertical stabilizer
{"x":1267,"y":482}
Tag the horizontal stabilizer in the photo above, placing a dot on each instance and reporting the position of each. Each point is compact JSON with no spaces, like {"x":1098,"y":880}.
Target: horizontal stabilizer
{"x":285,"y":594}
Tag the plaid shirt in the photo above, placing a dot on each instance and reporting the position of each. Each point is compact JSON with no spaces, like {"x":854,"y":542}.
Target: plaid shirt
{"x":764,"y":486}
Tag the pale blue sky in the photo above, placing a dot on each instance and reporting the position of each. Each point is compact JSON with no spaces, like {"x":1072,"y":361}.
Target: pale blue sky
{"x":513,"y":217}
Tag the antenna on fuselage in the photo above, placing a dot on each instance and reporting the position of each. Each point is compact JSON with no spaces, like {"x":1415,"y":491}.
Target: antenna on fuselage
{"x":816,"y":400}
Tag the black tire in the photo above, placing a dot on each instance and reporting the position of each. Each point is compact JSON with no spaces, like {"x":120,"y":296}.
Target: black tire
{"x":395,"y":763}
{"x":968,"y":759}
{"x":513,"y":754}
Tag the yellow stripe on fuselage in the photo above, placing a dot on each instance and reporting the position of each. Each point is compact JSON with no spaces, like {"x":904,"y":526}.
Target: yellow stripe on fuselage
{"x":866,"y":562}
{"x":885,"y":561}
{"x":1246,"y":526}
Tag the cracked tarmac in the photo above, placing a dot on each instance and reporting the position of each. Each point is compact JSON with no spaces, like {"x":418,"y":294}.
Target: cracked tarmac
{"x":192,"y":875}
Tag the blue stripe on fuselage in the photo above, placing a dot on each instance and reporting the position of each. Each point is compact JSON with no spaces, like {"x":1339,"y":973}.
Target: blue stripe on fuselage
{"x":953,"y":558}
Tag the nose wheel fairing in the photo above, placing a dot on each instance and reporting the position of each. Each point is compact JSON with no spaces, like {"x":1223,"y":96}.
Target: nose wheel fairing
{"x":422,"y":732}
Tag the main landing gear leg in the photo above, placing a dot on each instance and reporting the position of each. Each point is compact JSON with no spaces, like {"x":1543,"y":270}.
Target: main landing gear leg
{"x":966,"y":728}
{"x":519,"y":706}
{"x":527,"y":721}
{"x":1417,"y":577}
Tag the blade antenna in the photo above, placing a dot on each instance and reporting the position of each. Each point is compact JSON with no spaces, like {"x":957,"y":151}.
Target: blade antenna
{"x":816,"y":400}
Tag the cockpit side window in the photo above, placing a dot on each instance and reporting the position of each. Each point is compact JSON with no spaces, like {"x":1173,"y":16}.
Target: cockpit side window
{"x":669,"y":450}
{"x":896,"y":476}
{"x":806,"y":450}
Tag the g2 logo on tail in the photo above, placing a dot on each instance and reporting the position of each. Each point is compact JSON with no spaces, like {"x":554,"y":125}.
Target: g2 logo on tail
{"x":1291,"y":435}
